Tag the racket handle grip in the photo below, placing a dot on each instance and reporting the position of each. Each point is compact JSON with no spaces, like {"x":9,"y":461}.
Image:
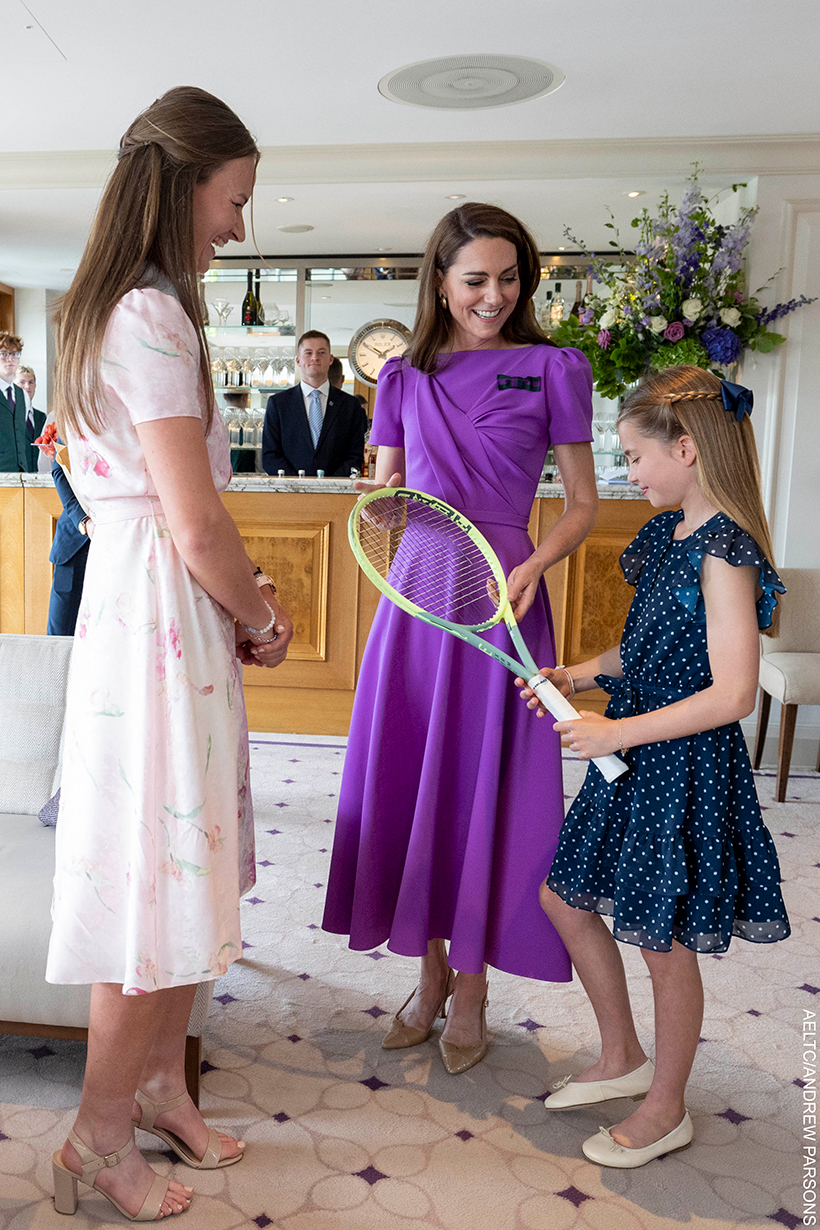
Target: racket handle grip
{"x":611,"y":766}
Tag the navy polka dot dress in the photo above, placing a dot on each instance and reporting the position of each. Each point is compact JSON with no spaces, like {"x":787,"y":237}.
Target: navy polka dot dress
{"x":676,"y":848}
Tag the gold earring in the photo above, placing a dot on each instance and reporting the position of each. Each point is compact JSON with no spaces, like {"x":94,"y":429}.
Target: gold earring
{"x":443,"y":301}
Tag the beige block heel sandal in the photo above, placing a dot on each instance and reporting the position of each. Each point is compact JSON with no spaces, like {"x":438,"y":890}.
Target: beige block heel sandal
{"x":66,"y":1195}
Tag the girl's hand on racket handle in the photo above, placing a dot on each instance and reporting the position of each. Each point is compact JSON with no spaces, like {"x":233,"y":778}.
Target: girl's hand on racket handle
{"x":558,"y":679}
{"x":589,"y":735}
{"x":522,"y":586}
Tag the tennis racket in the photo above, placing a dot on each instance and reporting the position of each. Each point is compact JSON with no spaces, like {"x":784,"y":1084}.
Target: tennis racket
{"x":433,"y":563}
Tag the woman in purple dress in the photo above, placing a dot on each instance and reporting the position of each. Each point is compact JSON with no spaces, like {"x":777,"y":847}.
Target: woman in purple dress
{"x":449,"y":814}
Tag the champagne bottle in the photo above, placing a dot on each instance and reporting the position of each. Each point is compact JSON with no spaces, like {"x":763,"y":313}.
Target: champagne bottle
{"x":260,"y":311}
{"x":578,"y":306}
{"x":556,"y":307}
{"x":249,"y":303}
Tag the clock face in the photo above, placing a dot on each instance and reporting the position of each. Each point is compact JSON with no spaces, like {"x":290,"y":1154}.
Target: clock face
{"x":375,"y":343}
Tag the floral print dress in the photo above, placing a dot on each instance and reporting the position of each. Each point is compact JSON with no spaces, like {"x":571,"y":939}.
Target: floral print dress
{"x":155,"y":834}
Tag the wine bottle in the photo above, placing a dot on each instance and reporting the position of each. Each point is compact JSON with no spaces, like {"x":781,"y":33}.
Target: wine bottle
{"x":578,"y":306}
{"x":249,"y":303}
{"x":556,"y":307}
{"x":545,"y":319}
{"x":260,"y":311}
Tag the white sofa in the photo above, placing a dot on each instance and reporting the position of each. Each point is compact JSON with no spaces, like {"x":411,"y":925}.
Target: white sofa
{"x":33,"y":676}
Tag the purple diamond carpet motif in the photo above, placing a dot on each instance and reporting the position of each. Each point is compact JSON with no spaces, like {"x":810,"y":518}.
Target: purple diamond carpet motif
{"x":574,"y":1196}
{"x":40,"y":1052}
{"x":754,"y":1012}
{"x":287,"y":781}
{"x":262,"y":1221}
{"x":317,"y":886}
{"x":373,"y":1083}
{"x":304,"y":977}
{"x":733,"y":1116}
{"x":225,"y":999}
{"x":529,"y":1025}
{"x":370,"y":1175}
{"x":702,"y":1040}
{"x":3,"y":1136}
{"x":805,"y":987}
{"x":375,"y":1012}
{"x":207,"y":1067}
{"x":323,"y":850}
{"x":313,"y":926}
{"x":273,"y":832}
{"x":815,"y":919}
{"x":254,"y":901}
{"x":800,"y":1084}
{"x":281,"y":1117}
{"x":788,"y":834}
{"x":245,"y":944}
{"x":328,"y":822}
{"x":294,"y":762}
{"x":376,"y":956}
{"x":464,"y":1135}
{"x":281,"y":804}
{"x":784,"y":1218}
{"x":265,"y":863}
{"x":294,"y":1038}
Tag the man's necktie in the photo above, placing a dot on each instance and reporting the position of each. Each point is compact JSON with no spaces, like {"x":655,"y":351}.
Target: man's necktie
{"x":315,"y":416}
{"x":10,"y":398}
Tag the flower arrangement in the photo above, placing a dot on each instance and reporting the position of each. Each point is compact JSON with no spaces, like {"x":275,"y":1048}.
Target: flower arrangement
{"x":682,"y":299}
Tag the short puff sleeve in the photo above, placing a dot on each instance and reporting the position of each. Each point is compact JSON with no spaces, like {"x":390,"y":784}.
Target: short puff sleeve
{"x":569,"y":396}
{"x":150,"y":358}
{"x":388,"y":429}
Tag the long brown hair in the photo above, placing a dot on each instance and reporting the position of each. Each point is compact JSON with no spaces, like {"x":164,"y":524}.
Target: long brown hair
{"x":145,"y":218}
{"x":686,"y":401}
{"x":433,"y":327}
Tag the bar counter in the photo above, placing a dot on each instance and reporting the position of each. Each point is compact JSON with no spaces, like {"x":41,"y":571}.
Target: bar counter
{"x":296,"y":530}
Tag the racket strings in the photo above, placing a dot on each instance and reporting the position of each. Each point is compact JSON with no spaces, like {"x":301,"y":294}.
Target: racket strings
{"x":429,"y":560}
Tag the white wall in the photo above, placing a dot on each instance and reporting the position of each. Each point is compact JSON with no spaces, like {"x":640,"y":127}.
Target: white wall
{"x":32,"y":320}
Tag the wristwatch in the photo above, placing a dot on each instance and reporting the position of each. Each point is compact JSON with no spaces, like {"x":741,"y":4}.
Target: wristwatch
{"x":263,"y":579}
{"x":82,"y":526}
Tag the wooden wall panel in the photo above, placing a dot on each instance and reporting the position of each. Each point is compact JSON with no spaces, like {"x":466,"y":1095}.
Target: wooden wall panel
{"x":43,"y":508}
{"x":12,"y":560}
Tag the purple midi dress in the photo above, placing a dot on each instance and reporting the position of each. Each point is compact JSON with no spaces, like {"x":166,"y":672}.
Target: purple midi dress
{"x":451,"y":797}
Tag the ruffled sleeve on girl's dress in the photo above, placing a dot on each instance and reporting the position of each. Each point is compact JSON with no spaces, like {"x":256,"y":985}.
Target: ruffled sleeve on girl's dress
{"x":634,"y":557}
{"x":387,"y":426}
{"x":724,"y":539}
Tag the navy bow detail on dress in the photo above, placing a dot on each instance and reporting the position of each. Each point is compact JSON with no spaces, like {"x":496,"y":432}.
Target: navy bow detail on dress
{"x":736,"y":399}
{"x":532,"y":384}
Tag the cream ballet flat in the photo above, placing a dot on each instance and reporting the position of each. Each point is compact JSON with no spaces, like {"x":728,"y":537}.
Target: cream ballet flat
{"x":607,"y":1152}
{"x":569,"y":1094}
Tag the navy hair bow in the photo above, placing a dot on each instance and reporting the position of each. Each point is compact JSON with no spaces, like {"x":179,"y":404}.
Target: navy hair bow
{"x":736,"y":399}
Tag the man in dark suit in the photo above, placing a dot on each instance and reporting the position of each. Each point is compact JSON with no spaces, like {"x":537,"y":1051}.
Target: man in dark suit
{"x":69,"y":552}
{"x":313,"y":426}
{"x":20,"y":425}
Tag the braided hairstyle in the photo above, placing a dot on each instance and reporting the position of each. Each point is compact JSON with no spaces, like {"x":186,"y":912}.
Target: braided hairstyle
{"x":687,"y":401}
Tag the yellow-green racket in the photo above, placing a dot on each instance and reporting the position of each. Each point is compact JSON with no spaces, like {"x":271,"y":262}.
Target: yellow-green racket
{"x":433,"y":563}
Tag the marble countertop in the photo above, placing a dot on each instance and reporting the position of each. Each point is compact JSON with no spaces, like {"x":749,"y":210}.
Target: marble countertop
{"x":331,"y":486}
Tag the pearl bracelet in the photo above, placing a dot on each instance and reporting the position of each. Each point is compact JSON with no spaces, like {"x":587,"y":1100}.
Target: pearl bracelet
{"x":268,"y":625}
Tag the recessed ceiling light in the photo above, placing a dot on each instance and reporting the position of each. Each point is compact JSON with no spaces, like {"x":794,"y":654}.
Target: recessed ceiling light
{"x":282,"y":199}
{"x":636,"y":194}
{"x":297,"y":229}
{"x":455,"y":196}
{"x":469,"y":82}
{"x":384,"y":249}
{"x":562,"y":249}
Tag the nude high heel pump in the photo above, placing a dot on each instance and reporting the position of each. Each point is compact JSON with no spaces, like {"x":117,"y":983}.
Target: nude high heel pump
{"x":400,"y":1035}
{"x":66,"y":1195}
{"x":458,"y":1059}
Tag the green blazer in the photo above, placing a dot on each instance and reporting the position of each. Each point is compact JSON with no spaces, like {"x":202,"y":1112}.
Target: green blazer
{"x":16,"y":450}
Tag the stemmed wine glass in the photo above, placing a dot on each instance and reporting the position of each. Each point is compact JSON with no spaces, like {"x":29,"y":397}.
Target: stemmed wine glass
{"x":223,"y":309}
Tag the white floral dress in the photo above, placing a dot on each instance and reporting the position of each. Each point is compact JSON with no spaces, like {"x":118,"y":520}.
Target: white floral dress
{"x":155,"y":835}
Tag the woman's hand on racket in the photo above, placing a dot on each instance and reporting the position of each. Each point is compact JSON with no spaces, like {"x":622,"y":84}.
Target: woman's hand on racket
{"x":364,"y":486}
{"x":557,"y":678}
{"x":589,"y":735}
{"x":522,"y":586}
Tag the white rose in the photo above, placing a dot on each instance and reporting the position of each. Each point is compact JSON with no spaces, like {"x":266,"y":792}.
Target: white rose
{"x":692,"y":308}
{"x":730,"y":317}
{"x":608,"y":319}
{"x":658,"y":323}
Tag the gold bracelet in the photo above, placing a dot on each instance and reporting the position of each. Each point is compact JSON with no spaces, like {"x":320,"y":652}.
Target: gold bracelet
{"x":621,"y":747}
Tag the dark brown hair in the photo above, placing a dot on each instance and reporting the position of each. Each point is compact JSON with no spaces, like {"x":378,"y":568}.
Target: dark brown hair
{"x":145,"y":218}
{"x":312,"y":333}
{"x":433,"y":327}
{"x":10,"y":341}
{"x":687,"y":401}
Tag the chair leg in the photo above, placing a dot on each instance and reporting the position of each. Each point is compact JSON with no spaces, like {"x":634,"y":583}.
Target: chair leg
{"x":193,"y":1065}
{"x":762,"y":726}
{"x":788,"y":717}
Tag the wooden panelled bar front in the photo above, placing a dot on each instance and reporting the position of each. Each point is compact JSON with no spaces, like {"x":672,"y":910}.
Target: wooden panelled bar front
{"x":296,"y":530}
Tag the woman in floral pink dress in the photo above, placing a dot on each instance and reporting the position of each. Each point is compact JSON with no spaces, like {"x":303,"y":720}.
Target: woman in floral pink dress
{"x":155,"y":835}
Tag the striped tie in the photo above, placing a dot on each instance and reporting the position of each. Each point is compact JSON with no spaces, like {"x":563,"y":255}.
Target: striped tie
{"x":315,"y":416}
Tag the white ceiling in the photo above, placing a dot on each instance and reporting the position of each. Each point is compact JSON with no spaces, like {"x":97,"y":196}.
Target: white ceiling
{"x":306,"y":75}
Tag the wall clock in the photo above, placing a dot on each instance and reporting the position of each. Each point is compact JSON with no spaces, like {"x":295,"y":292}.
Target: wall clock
{"x":373,"y":344}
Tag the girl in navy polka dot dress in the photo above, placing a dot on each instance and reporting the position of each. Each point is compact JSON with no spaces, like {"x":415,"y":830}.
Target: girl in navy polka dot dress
{"x":675,"y":849}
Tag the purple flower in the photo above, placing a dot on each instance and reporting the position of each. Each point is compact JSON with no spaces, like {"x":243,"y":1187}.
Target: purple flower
{"x":721,"y":345}
{"x":674,"y":331}
{"x":587,"y":316}
{"x":768,"y":316}
{"x":604,"y":338}
{"x":738,"y":296}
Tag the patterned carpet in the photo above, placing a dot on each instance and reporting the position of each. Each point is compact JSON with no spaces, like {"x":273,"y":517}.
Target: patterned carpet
{"x":345,"y":1136}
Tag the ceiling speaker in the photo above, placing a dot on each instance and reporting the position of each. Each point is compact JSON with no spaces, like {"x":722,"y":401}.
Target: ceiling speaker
{"x":466,"y":83}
